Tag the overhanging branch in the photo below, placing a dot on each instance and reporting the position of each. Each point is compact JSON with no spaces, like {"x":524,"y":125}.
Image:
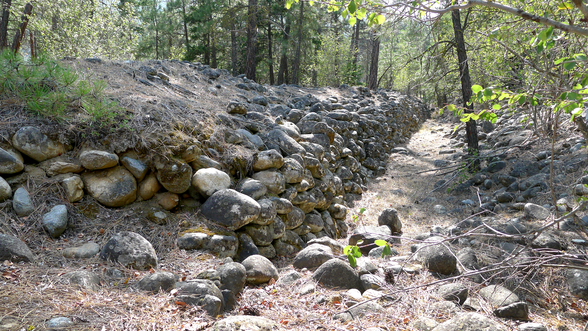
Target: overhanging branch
{"x":518,"y":12}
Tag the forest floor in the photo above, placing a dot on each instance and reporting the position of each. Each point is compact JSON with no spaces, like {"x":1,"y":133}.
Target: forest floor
{"x":33,"y":293}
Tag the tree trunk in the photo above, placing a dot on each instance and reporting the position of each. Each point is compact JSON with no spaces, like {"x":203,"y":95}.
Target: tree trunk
{"x":4,"y":24}
{"x":184,"y":18}
{"x":296,"y":66}
{"x":24,"y":20}
{"x":155,"y":25}
{"x":466,"y":87}
{"x":207,"y":49}
{"x":283,"y":71}
{"x":213,"y":59}
{"x":251,"y":39}
{"x":269,"y":51}
{"x":355,"y":45}
{"x":373,"y":77}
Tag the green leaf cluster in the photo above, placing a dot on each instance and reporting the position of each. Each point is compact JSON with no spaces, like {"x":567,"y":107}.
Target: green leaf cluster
{"x":353,"y":252}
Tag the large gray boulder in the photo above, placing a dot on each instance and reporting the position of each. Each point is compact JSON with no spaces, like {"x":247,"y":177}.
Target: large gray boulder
{"x":22,"y":203}
{"x":337,"y":274}
{"x":135,"y":166}
{"x":498,"y":296}
{"x":217,"y":244}
{"x":368,"y":235}
{"x":174,"y":175}
{"x":578,"y":282}
{"x":287,"y":144}
{"x":210,"y":180}
{"x":61,"y":165}
{"x":160,"y":280}
{"x":203,"y":293}
{"x":267,"y":213}
{"x":11,"y":161}
{"x":437,"y":257}
{"x":84,"y":251}
{"x":5,"y":190}
{"x":457,"y":292}
{"x":246,"y":323}
{"x":390,"y":218}
{"x":252,"y":188}
{"x":113,"y":187}
{"x":247,"y":247}
{"x":84,"y":278}
{"x":534,"y":211}
{"x":359,"y":310}
{"x":233,"y":276}
{"x":55,"y":221}
{"x":231,"y":209}
{"x":312,"y":257}
{"x":293,"y":219}
{"x":292,"y":170}
{"x":272,"y":179}
{"x":13,"y":249}
{"x":73,"y":187}
{"x":262,"y":235}
{"x":96,"y":160}
{"x":470,"y":322}
{"x":131,"y":250}
{"x":33,"y":143}
{"x":267,"y":159}
{"x":259,"y":270}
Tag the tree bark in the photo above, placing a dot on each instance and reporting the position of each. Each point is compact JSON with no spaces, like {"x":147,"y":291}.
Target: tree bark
{"x":283,"y":70}
{"x":207,"y":49}
{"x":296,"y":66}
{"x":373,"y":77}
{"x":355,"y":45}
{"x":24,"y":20}
{"x":213,"y":58}
{"x":251,"y":40}
{"x":466,"y":86}
{"x":269,"y":50}
{"x":4,"y":24}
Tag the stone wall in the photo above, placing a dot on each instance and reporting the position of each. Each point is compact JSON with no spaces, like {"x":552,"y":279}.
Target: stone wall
{"x":309,"y":158}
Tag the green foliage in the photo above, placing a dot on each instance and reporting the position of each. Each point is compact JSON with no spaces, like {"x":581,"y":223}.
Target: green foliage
{"x":47,"y":88}
{"x":353,"y":252}
{"x":81,"y":28}
{"x":357,"y":216}
{"x":354,"y":10}
{"x":334,"y":62}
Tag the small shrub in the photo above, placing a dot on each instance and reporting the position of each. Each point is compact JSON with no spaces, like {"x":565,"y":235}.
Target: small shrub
{"x":49,"y":89}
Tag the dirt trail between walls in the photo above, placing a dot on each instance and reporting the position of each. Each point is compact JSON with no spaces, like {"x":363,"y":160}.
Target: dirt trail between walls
{"x":408,"y":184}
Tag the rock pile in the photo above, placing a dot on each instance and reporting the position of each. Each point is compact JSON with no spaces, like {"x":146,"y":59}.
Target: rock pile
{"x":310,"y":159}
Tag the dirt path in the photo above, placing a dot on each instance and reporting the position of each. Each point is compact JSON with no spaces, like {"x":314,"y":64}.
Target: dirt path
{"x":409,"y":180}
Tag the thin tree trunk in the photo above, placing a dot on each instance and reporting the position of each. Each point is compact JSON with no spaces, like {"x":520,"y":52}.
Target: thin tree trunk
{"x":296,"y":66}
{"x":234,"y":63}
{"x":24,"y":20}
{"x":355,"y":45}
{"x":207,"y":49}
{"x":466,"y":86}
{"x":283,"y":71}
{"x":251,"y":40}
{"x":184,"y":18}
{"x":269,"y":51}
{"x":213,"y":59}
{"x":373,"y":77}
{"x":156,"y":31}
{"x":4,"y":24}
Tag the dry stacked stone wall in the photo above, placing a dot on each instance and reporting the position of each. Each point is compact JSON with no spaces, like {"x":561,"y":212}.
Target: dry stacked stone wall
{"x":310,"y":158}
